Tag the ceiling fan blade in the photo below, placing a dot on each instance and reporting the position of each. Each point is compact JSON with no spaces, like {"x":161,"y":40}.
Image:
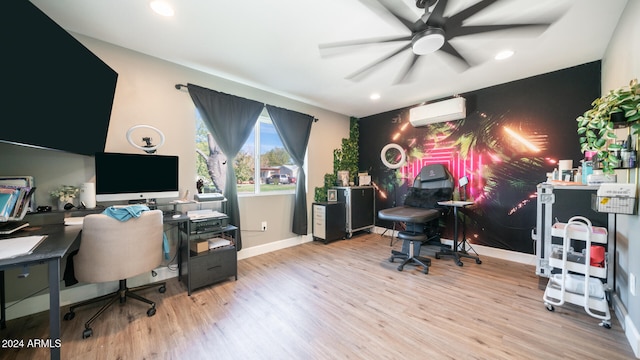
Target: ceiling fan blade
{"x":457,"y":19}
{"x":437,"y":15}
{"x":363,"y":42}
{"x":408,"y":69}
{"x":453,"y":52}
{"x":472,"y":30}
{"x":374,"y":6}
{"x":358,"y":74}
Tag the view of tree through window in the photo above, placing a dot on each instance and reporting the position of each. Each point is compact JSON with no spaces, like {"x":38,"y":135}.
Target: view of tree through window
{"x":271,"y":169}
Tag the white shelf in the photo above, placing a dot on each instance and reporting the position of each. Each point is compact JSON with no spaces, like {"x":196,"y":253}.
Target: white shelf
{"x":598,"y":235}
{"x":597,"y":304}
{"x":599,"y":272}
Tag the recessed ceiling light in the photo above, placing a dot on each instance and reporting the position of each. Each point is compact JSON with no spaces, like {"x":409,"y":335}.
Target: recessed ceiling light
{"x":374,"y":96}
{"x":504,"y":55}
{"x":161,"y":7}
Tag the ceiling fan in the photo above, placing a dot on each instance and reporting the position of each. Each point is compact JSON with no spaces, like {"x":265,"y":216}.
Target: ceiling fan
{"x":430,"y":33}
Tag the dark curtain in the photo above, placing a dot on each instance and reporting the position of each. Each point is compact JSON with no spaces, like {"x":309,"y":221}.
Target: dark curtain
{"x":230,"y":120}
{"x":294,"y":129}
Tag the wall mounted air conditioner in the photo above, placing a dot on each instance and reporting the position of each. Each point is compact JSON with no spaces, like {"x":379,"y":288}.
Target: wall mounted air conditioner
{"x":441,"y":111}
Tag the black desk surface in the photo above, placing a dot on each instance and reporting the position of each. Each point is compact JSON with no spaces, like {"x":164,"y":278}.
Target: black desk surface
{"x":60,"y":240}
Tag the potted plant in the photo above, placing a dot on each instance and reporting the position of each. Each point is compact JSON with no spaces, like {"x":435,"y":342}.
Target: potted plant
{"x":596,"y":127}
{"x":64,"y":194}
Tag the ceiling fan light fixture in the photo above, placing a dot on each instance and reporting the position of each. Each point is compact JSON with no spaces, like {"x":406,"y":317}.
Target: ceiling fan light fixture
{"x":505,"y":54}
{"x":427,"y":41}
{"x":161,"y":7}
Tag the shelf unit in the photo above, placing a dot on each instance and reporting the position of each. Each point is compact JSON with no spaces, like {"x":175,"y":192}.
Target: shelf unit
{"x":578,"y":282}
{"x":199,"y":269}
{"x":208,"y":267}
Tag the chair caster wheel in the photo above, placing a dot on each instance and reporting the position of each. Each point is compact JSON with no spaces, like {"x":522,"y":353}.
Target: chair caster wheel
{"x":425,"y":271}
{"x":391,"y":259}
{"x":550,"y":307}
{"x":437,"y":256}
{"x":606,"y":324}
{"x":151,"y":311}
{"x":162,"y":289}
{"x":400,"y":268}
{"x":87,"y":333}
{"x":70,"y":315}
{"x":459,"y":263}
{"x":478,"y":261}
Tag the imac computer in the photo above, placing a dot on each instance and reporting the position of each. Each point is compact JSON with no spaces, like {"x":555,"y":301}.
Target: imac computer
{"x":135,"y":177}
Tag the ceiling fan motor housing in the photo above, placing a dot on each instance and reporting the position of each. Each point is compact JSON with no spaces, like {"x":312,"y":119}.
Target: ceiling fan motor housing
{"x":427,"y":41}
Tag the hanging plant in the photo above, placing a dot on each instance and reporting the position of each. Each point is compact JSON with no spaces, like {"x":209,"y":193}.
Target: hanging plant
{"x":596,"y":128}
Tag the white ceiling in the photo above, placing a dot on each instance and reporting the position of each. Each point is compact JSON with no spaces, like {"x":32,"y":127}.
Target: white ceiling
{"x":273,"y":45}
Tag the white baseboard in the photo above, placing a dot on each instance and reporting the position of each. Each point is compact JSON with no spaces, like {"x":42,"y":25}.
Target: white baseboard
{"x":80,"y":292}
{"x":630,"y":331}
{"x":509,"y":255}
{"x":273,"y":246}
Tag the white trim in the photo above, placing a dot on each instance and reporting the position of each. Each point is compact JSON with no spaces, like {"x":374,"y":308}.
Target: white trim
{"x":630,"y":331}
{"x":509,"y":255}
{"x":273,"y":246}
{"x":77,"y":293}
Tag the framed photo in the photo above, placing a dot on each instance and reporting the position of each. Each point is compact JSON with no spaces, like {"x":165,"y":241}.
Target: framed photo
{"x":332,"y":195}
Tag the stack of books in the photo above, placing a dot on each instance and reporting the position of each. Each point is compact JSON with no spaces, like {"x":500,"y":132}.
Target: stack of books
{"x":14,"y":202}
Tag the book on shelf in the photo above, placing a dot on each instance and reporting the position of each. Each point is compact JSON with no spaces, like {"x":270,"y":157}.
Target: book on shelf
{"x":14,"y":202}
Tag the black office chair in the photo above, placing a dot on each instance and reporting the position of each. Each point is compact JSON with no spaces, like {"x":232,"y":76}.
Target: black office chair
{"x":421,"y":214}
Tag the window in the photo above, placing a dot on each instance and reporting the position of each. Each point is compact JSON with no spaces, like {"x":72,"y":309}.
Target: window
{"x":272,"y":170}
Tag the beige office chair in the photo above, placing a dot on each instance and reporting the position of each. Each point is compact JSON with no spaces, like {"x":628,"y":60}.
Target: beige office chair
{"x":113,"y":250}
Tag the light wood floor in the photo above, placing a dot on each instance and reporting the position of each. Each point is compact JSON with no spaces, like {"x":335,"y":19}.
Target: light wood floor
{"x":343,"y":300}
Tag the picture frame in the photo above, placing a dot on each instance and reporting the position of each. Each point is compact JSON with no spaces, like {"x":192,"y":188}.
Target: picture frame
{"x":332,"y":195}
{"x":343,"y":177}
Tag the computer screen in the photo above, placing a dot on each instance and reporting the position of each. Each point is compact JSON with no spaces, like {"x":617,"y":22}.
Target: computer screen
{"x":135,"y":177}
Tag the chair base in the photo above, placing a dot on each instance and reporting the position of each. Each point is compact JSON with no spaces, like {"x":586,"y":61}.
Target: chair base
{"x":410,"y":253}
{"x":410,"y":260}
{"x":121,"y":294}
{"x":456,"y":255}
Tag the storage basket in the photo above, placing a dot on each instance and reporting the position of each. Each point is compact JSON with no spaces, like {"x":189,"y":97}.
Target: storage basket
{"x":614,"y":204}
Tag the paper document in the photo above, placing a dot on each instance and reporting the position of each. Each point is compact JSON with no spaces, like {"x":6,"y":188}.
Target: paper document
{"x":74,"y":220}
{"x":204,"y":214}
{"x":13,"y":247}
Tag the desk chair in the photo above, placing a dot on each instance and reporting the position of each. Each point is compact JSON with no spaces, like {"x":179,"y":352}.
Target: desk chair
{"x":421,"y":213}
{"x":113,"y":250}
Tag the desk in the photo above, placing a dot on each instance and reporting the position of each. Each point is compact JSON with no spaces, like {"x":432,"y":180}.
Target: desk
{"x":459,"y":248}
{"x":59,"y":242}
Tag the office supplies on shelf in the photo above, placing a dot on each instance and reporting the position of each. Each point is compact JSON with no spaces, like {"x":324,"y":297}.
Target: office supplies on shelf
{"x":204,"y":214}
{"x":14,"y":247}
{"x":209,"y":197}
{"x":14,"y":201}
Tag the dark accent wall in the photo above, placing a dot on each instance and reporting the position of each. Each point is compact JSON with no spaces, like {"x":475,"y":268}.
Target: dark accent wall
{"x":514,"y":133}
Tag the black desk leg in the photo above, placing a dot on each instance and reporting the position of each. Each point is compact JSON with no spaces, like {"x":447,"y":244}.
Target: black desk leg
{"x":461,"y":248}
{"x":54,"y":307}
{"x":3,"y":312}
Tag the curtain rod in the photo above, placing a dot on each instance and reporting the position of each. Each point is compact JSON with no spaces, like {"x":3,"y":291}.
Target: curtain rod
{"x":179,"y":86}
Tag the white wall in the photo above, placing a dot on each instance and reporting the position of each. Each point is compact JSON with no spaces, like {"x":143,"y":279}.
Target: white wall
{"x":145,"y":94}
{"x":620,"y":64}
